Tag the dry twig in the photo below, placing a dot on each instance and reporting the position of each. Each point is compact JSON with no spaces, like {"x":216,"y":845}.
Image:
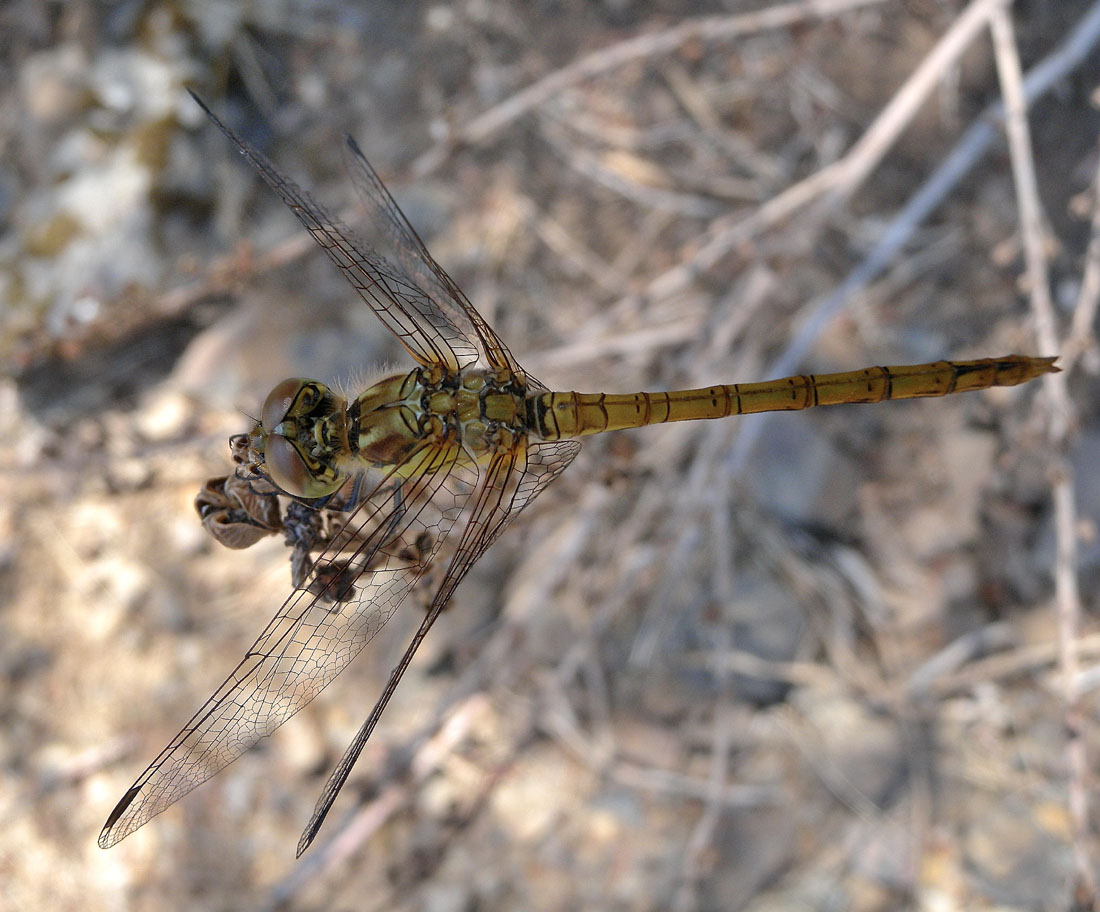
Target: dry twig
{"x":1067,"y":596}
{"x":654,"y":44}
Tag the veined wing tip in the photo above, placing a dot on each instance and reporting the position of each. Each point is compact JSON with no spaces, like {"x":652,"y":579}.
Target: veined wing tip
{"x":305,"y":842}
{"x":313,"y":828}
{"x":109,"y":836}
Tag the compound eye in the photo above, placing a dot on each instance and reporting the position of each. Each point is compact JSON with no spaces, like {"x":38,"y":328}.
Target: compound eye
{"x":281,"y":400}
{"x":285,"y":465}
{"x":290,"y":471}
{"x":293,"y":403}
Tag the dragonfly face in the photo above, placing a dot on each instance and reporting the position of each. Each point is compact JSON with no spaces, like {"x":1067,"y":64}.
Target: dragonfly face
{"x":303,"y":430}
{"x":444,"y":456}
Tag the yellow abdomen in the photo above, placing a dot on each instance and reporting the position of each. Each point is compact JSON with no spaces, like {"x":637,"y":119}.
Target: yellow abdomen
{"x":556,"y":416}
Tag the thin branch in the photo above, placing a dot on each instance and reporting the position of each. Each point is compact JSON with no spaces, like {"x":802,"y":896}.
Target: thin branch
{"x":873,"y":145}
{"x":706,"y":29}
{"x":1082,"y":337}
{"x":1067,"y":596}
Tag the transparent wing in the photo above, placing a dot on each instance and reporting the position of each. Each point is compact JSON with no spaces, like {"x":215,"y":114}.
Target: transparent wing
{"x":401,"y":242}
{"x":433,"y":330}
{"x":512,"y":480}
{"x":356,"y":585}
{"x":389,"y":540}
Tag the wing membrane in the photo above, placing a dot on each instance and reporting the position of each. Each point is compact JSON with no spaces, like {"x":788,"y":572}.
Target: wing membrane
{"x":512,"y":480}
{"x":320,"y":628}
{"x":422,"y":324}
{"x":385,"y":218}
{"x":390,"y":538}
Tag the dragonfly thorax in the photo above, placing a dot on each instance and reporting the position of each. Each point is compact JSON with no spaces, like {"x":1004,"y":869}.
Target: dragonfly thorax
{"x":475,"y":412}
{"x":390,"y":420}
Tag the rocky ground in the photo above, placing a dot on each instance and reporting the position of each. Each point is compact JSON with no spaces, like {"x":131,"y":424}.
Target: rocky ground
{"x":807,"y":663}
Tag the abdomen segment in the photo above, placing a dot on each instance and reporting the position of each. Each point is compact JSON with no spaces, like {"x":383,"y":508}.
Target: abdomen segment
{"x":555,"y":416}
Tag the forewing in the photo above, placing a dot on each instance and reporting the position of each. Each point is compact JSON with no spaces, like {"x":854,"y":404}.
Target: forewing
{"x":357,"y":584}
{"x":511,"y":481}
{"x":421,"y":323}
{"x":399,"y":241}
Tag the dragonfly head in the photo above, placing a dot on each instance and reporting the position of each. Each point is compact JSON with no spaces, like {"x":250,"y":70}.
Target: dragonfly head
{"x":302,"y":430}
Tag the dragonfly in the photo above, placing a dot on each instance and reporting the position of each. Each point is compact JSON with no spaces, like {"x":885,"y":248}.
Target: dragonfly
{"x":407,"y":484}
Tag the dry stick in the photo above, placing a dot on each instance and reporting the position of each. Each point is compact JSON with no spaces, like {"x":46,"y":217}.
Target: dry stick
{"x":645,"y":196}
{"x":692,"y":866}
{"x":1030,"y":660}
{"x":961,"y":652}
{"x":1067,"y":597}
{"x":840,"y":179}
{"x":1068,"y":603}
{"x":225,"y":271}
{"x":1032,"y":221}
{"x":966,"y":154}
{"x":709,"y":28}
{"x":1082,"y":338}
{"x":873,"y":145}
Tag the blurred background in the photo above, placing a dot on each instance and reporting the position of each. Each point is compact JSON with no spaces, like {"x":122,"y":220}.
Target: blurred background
{"x":810,"y":663}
